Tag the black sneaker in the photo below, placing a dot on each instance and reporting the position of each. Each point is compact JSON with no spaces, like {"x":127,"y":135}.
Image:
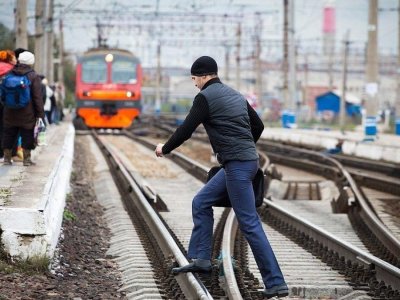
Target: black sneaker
{"x":192,"y":267}
{"x":278,"y":290}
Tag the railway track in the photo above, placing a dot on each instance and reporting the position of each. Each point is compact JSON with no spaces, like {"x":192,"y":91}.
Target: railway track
{"x":353,"y":200}
{"x":252,"y":284}
{"x":163,"y":250}
{"x":369,"y":198}
{"x":200,"y":173}
{"x":381,"y":282}
{"x":172,"y":216}
{"x":333,"y":172}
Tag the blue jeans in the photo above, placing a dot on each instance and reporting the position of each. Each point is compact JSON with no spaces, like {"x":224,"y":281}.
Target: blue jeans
{"x":236,"y":180}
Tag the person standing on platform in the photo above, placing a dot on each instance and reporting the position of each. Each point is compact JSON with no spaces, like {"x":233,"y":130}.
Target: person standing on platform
{"x":48,"y":103}
{"x":233,"y":128}
{"x":16,"y":153}
{"x":60,"y":96}
{"x":7,"y":63}
{"x":23,"y":120}
{"x":41,"y":76}
{"x":54,"y":108}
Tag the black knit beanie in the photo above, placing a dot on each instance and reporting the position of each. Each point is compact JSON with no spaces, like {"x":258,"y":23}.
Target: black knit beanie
{"x":204,"y":65}
{"x":18,"y":51}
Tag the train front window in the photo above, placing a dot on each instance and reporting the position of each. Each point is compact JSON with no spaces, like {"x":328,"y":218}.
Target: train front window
{"x":94,"y":70}
{"x":123,"y":70}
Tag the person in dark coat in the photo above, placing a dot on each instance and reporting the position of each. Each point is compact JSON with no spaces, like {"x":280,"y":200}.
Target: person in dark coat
{"x":15,"y":155}
{"x":233,"y":128}
{"x":43,"y":88}
{"x":23,"y":120}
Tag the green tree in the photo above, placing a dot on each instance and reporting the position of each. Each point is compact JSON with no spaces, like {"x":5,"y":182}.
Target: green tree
{"x":7,"y":38}
{"x":69,"y":80}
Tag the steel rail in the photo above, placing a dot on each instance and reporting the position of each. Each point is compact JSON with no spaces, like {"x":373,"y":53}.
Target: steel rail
{"x":368,"y":216}
{"x":191,"y":287}
{"x":391,"y":169}
{"x":371,"y":220}
{"x":230,"y":228}
{"x":384,"y":271}
{"x":228,"y":243}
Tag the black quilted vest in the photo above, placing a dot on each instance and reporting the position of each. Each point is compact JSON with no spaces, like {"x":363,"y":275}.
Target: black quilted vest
{"x":228,"y":125}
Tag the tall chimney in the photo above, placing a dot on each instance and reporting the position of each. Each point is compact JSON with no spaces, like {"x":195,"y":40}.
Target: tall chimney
{"x":329,"y":27}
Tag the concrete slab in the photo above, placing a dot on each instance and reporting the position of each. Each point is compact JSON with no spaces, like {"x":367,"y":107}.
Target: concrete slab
{"x":386,"y":147}
{"x":32,"y":199}
{"x":369,"y":151}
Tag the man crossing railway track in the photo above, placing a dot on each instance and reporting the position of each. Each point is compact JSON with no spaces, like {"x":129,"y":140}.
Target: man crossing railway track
{"x":233,"y":128}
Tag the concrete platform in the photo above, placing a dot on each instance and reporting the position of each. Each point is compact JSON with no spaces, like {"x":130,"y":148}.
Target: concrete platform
{"x":385,"y":148}
{"x":32,"y":199}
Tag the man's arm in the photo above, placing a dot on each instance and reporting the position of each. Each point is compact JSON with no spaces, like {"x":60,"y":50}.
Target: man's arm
{"x":256,"y":124}
{"x":197,"y":114}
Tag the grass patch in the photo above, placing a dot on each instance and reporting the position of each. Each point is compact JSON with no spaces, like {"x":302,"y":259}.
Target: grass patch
{"x":32,"y":265}
{"x":5,"y":193}
{"x":70,"y":197}
{"x":69,"y":215}
{"x":73,"y":176}
{"x":17,"y":178}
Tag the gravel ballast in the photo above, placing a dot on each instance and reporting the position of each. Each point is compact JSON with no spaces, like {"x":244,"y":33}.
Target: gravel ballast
{"x":81,"y":269}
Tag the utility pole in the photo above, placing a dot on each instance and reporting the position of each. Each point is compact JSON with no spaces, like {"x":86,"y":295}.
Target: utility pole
{"x":330,"y":69}
{"x":39,"y":36}
{"x":49,"y":35}
{"x":158,"y":80}
{"x":227,"y":48}
{"x":305,"y":89}
{"x":346,"y":44}
{"x":285,"y":63}
{"x":60,"y":74}
{"x":329,"y":31}
{"x":289,"y":67}
{"x":292,"y":59}
{"x":238,"y":45}
{"x":258,"y":66}
{"x":371,"y":86}
{"x":21,"y":33}
{"x":397,"y":121}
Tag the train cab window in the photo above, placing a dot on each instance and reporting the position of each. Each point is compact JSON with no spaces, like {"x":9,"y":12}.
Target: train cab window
{"x":123,"y":70}
{"x":94,"y":70}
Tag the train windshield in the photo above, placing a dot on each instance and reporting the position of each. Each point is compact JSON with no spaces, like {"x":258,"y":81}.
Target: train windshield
{"x":94,"y":70}
{"x":123,"y":70}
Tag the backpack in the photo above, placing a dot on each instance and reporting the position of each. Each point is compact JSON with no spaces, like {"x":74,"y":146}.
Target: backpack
{"x":15,"y":90}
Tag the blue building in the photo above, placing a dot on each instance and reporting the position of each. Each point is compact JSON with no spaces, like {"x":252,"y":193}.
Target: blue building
{"x":330,"y":103}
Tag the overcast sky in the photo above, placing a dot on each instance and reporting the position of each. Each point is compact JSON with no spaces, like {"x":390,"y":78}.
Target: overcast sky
{"x":190,"y":36}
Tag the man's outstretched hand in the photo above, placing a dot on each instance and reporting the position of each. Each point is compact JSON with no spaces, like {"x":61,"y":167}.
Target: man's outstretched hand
{"x":158,"y":150}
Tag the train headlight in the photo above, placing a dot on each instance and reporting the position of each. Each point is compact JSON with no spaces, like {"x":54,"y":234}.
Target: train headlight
{"x":109,"y":58}
{"x":130,"y":94}
{"x":86,"y":93}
